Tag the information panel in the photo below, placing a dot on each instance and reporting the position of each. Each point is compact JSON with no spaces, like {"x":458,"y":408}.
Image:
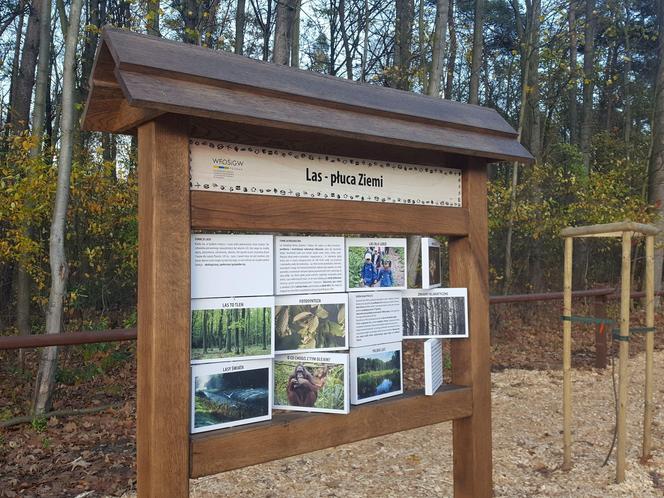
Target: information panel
{"x":243,"y":169}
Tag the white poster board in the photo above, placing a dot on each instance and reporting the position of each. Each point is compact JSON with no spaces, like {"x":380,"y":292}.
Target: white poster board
{"x":232,"y":393}
{"x":312,"y":382}
{"x":256,"y":170}
{"x":431,"y":263}
{"x":226,"y":265}
{"x":376,"y":372}
{"x":433,"y":365}
{"x":229,"y":329}
{"x":311,"y":323}
{"x":376,"y":264}
{"x":305,"y":265}
{"x":439,"y":313}
{"x":374,"y":318}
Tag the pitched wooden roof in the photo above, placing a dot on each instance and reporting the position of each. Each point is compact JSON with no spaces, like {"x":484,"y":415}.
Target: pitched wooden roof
{"x":137,"y":77}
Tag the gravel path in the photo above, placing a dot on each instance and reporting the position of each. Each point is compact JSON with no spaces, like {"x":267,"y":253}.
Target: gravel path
{"x":527,"y":449}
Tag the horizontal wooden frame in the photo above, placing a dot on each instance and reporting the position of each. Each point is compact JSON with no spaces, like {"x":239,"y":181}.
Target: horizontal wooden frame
{"x":225,"y":211}
{"x":229,"y":449}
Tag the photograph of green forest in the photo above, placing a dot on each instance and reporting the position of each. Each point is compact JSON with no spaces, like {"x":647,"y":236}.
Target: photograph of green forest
{"x":231,"y":332}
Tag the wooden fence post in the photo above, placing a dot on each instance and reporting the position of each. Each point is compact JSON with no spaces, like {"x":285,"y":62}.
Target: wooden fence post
{"x":567,"y":355}
{"x":468,"y":259}
{"x":162,"y":433}
{"x":623,"y":354}
{"x":650,"y":344}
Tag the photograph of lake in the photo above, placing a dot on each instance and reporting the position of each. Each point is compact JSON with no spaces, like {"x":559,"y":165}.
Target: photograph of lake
{"x":378,"y":374}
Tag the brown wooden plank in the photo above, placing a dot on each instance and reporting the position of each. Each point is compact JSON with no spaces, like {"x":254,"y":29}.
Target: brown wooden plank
{"x":208,"y":101}
{"x":469,"y":265}
{"x":109,"y":111}
{"x":235,"y":212}
{"x":291,"y":434}
{"x":163,"y":310}
{"x":159,"y":56}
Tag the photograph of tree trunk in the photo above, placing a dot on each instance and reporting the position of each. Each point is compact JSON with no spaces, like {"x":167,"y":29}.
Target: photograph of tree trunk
{"x":228,"y":328}
{"x":434,"y":314}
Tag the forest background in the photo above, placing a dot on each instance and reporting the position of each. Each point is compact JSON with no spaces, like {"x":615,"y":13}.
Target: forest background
{"x":581,"y":81}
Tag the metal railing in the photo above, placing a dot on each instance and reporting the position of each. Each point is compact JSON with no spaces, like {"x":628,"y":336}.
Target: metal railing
{"x":113,"y":335}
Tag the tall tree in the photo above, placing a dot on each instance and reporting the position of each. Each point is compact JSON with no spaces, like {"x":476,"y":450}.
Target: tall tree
{"x":283,"y":31}
{"x":438,"y":48}
{"x":588,"y":82}
{"x":403,"y":37}
{"x":240,"y":19}
{"x":452,"y":52}
{"x":59,"y":270}
{"x":573,"y":125}
{"x":656,"y":169}
{"x":476,"y":58}
{"x":152,"y":17}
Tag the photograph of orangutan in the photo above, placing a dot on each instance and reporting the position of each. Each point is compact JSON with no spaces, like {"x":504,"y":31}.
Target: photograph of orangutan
{"x":309,"y":385}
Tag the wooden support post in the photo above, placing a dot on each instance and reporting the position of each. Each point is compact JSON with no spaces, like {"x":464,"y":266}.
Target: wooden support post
{"x":625,"y":281}
{"x":650,"y":344}
{"x":468,"y":257}
{"x":162,"y":437}
{"x":567,"y":355}
{"x":601,"y":332}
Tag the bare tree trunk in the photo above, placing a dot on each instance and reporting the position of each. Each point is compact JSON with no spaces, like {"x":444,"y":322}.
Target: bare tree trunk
{"x":573,"y":125}
{"x":656,"y":173}
{"x":627,"y":83}
{"x":344,"y":38}
{"x":240,"y":18}
{"x":13,"y":82}
{"x":152,"y":18}
{"x":451,"y":59}
{"x":414,"y":249}
{"x":438,"y":49}
{"x":405,"y":10}
{"x":283,"y":31}
{"x":365,"y":43}
{"x":48,"y":363}
{"x":295,"y":38}
{"x":476,"y":61}
{"x":588,"y":81}
{"x":22,"y":93}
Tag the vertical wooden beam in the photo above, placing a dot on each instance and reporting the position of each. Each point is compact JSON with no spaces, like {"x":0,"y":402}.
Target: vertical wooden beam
{"x":163,"y":310}
{"x":650,"y":344}
{"x":468,"y":257}
{"x":625,"y":281}
{"x":601,"y":332}
{"x":567,"y":355}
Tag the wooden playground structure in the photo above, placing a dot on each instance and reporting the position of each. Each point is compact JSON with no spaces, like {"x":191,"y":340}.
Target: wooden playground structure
{"x":626,"y":231}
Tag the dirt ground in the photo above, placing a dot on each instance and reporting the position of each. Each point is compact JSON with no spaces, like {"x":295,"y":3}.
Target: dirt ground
{"x":527,"y":444}
{"x":94,"y":455}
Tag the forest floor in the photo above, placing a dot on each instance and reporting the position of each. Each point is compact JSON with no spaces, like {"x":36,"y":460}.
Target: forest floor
{"x":94,"y":455}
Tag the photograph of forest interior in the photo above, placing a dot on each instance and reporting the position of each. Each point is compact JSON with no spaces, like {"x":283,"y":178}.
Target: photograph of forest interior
{"x":231,"y":332}
{"x":434,"y":316}
{"x":582,"y":81}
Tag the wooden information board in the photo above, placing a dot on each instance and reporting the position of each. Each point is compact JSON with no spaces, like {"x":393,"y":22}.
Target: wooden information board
{"x":169,"y":93}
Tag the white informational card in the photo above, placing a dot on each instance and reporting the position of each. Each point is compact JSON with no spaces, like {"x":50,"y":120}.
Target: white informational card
{"x":435,"y":313}
{"x":306,"y":265}
{"x":226,"y":265}
{"x":258,"y":170}
{"x":374,"y":318}
{"x":232,"y":328}
{"x":375,"y":372}
{"x":314,"y":382}
{"x":311,"y":323}
{"x":375,"y":264}
{"x":433,"y":366}
{"x":431,"y":269}
{"x":232,"y":393}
